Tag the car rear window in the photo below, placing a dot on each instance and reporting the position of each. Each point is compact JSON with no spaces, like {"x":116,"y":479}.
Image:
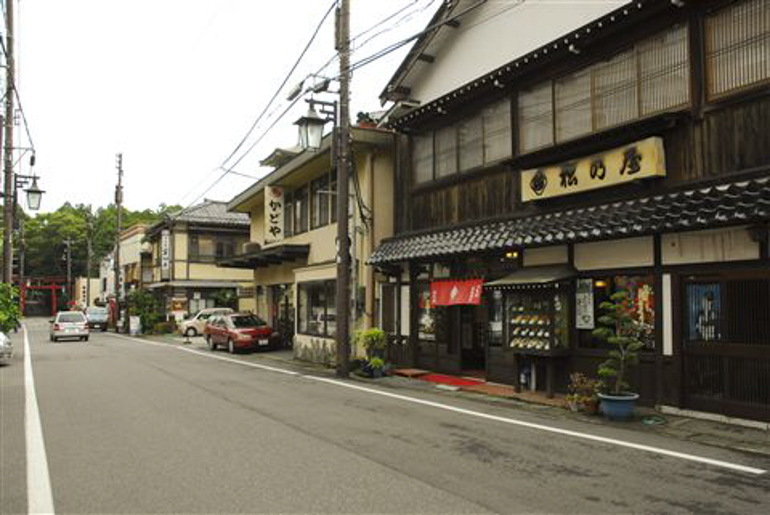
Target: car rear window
{"x":71,"y":318}
{"x":96,"y":311}
{"x":247,"y":321}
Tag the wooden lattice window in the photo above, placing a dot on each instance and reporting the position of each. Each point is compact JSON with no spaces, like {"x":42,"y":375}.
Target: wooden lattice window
{"x":738,"y":47}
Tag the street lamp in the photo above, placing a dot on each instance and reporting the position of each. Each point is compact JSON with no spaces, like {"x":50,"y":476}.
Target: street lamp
{"x":34,"y":195}
{"x":311,"y":127}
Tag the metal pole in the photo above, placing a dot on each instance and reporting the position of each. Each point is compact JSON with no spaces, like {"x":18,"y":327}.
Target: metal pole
{"x":343,"y":167}
{"x":119,"y":204}
{"x":8,"y":148}
{"x":68,"y":243}
{"x":88,"y":262}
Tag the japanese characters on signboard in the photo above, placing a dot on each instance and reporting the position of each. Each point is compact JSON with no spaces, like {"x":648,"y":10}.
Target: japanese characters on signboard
{"x":453,"y":293}
{"x":584,"y":304}
{"x":639,"y":160}
{"x":165,"y":255}
{"x":273,"y":214}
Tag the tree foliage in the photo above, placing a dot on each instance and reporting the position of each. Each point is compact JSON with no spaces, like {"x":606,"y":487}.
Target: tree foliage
{"x":618,"y":328}
{"x":45,"y":235}
{"x":9,"y":308}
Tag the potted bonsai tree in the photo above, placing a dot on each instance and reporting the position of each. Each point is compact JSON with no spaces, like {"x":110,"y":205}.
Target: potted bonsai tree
{"x":618,"y":328}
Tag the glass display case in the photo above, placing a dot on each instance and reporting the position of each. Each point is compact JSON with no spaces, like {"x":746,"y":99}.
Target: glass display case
{"x":537,"y":320}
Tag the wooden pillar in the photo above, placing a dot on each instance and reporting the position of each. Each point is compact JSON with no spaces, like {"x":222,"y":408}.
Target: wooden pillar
{"x":658,"y":293}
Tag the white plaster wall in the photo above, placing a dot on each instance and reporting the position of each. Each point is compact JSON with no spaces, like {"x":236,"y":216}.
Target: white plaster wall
{"x":601,"y":255}
{"x":495,"y":34}
{"x":733,"y":244}
{"x":545,"y":256}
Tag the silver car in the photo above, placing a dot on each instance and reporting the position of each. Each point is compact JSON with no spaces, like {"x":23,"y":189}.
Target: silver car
{"x":6,"y":348}
{"x":69,"y":324}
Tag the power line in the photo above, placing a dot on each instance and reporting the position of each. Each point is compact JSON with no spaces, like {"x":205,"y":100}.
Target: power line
{"x":280,"y":88}
{"x":18,"y":101}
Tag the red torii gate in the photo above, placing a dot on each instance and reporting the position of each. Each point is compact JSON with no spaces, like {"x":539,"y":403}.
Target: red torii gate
{"x":53,"y":284}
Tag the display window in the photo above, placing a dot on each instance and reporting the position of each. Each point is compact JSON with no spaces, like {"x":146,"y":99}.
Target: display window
{"x":316,"y":308}
{"x":537,"y":319}
{"x":641,"y":306}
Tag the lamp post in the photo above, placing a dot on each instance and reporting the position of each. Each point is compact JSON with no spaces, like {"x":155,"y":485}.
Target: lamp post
{"x":34,"y":198}
{"x":311,"y":131}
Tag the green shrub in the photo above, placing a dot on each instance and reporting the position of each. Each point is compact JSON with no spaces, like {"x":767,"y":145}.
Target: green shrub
{"x":618,"y":328}
{"x":9,"y":308}
{"x":373,"y":340}
{"x":164,"y":328}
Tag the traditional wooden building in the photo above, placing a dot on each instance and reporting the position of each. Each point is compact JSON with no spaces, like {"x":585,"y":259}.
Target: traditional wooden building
{"x":185,"y":248}
{"x":630,"y":153}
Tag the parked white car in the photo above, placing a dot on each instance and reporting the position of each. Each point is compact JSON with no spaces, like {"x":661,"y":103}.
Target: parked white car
{"x":194,"y":325}
{"x":69,"y":324}
{"x":6,"y":348}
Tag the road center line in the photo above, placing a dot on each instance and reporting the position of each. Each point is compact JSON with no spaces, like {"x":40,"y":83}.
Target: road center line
{"x":478,"y":414}
{"x":39,"y":496}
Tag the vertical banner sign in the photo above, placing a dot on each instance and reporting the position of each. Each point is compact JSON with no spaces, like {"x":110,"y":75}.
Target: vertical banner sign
{"x":584,"y":304}
{"x":273,"y":214}
{"x":165,"y":255}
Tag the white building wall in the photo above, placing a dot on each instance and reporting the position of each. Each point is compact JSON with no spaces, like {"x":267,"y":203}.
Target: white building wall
{"x":495,"y":34}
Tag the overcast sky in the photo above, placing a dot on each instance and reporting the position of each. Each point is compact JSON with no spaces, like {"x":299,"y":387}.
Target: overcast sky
{"x":175,"y":84}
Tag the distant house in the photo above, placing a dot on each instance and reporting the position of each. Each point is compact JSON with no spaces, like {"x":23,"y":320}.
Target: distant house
{"x":184,"y":250}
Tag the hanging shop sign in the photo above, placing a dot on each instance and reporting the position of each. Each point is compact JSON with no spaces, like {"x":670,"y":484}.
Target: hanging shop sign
{"x":584,"y":304}
{"x":640,"y":160}
{"x":165,"y":255}
{"x":273,"y":214}
{"x":454,"y":293}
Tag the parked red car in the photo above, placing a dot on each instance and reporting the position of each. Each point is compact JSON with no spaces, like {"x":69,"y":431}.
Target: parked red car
{"x":239,"y":331}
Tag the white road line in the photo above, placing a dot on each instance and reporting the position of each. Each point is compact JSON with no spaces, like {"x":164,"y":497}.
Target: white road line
{"x":39,"y":496}
{"x":506,"y":420}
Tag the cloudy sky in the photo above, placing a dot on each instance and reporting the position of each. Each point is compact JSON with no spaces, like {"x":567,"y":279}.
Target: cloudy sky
{"x":175,"y":84}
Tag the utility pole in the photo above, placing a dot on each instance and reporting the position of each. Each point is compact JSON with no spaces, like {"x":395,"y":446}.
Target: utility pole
{"x":343,"y":171}
{"x":8,"y":148}
{"x":68,"y":243}
{"x":119,"y":204}
{"x":89,"y":235}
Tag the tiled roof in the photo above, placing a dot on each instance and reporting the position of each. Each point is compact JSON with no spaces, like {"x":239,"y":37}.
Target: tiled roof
{"x":212,"y":212}
{"x":731,"y":203}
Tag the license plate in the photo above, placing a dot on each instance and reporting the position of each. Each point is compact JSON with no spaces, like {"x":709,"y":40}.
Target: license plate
{"x":264,"y":342}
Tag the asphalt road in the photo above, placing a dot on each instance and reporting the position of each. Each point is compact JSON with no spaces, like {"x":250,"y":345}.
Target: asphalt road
{"x":137,"y":427}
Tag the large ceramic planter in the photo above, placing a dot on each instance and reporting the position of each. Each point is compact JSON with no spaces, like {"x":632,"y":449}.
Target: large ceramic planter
{"x":618,"y":407}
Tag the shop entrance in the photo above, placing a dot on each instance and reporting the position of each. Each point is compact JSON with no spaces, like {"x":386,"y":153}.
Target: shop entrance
{"x":472,"y":341}
{"x":726,"y":344}
{"x":281,"y":312}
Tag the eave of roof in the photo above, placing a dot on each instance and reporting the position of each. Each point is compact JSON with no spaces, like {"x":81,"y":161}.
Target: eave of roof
{"x":558,"y":48}
{"x":359,"y":135}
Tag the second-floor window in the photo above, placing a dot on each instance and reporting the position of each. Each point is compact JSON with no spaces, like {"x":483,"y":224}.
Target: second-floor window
{"x":205,"y":248}
{"x":473,"y":142}
{"x":738,"y":47}
{"x":311,"y":206}
{"x":649,"y":78}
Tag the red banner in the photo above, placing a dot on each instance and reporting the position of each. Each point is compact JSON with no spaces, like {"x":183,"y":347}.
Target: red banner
{"x":453,"y":293}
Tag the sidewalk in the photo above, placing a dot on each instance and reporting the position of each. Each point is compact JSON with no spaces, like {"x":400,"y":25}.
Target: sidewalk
{"x":706,"y":432}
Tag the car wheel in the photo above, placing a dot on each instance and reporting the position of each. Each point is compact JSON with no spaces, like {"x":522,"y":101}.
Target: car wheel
{"x":230,"y":346}
{"x":85,"y":339}
{"x":190,"y":332}
{"x":210,"y":342}
{"x":54,"y":339}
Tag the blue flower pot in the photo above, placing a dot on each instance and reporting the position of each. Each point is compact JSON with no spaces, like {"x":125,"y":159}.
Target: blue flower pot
{"x":618,"y":407}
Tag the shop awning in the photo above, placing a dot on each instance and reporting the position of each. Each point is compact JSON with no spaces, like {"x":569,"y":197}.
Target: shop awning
{"x":730,"y":203}
{"x":535,"y":275}
{"x":193,"y":284}
{"x":266,"y":257}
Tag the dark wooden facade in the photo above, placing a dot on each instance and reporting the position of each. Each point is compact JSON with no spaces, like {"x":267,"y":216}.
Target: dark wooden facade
{"x":710,"y":140}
